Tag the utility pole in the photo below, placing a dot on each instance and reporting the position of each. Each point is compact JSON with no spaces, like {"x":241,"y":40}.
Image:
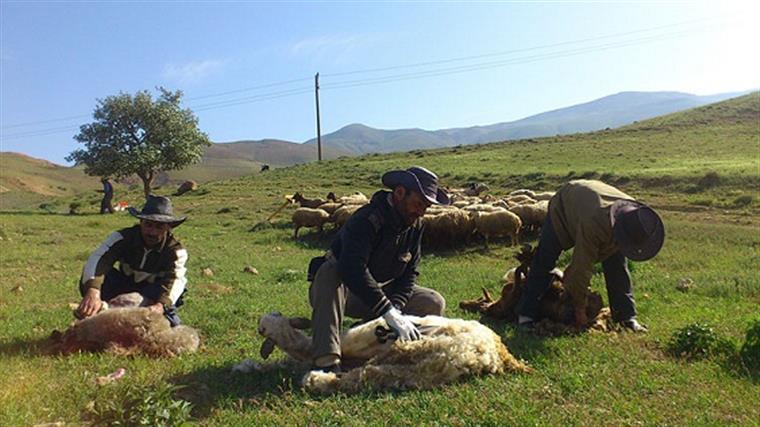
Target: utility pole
{"x":319,"y":132}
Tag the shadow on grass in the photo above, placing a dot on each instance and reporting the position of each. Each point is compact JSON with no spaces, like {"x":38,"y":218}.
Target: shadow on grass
{"x":26,"y":347}
{"x":523,"y":344}
{"x":209,"y":387}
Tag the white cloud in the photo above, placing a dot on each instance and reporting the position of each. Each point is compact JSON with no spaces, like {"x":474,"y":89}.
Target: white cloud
{"x":191,"y":72}
{"x":332,"y":44}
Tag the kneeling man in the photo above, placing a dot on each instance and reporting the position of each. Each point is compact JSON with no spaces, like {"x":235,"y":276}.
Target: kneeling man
{"x":151,"y":264}
{"x":371,"y":267}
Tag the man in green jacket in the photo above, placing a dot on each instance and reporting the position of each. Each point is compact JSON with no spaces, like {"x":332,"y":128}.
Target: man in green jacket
{"x":151,"y":264}
{"x":602,"y":224}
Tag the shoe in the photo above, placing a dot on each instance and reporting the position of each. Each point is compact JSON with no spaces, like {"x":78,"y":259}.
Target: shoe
{"x":633,"y":325}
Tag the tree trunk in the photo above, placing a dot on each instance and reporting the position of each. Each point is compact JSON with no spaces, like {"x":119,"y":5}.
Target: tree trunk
{"x":147,"y":179}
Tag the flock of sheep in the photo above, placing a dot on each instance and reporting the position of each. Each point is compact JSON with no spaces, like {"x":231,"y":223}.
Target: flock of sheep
{"x":471,"y":213}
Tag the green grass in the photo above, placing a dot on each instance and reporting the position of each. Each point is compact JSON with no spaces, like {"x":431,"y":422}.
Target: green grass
{"x":594,"y":379}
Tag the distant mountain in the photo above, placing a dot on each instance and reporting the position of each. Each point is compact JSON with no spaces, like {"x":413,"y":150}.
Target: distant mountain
{"x":608,"y":112}
{"x":274,"y":152}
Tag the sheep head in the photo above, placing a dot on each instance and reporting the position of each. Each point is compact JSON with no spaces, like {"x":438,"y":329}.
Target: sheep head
{"x":282,"y":332}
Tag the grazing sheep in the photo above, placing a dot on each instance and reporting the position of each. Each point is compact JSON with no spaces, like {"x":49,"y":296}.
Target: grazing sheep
{"x":448,"y":228}
{"x":521,"y":200}
{"x":499,"y":223}
{"x":342,"y":214}
{"x":357,"y":198}
{"x":330,"y":207}
{"x":544,"y":195}
{"x":127,"y":331}
{"x":450,"y":350}
{"x":523,"y":192}
{"x":307,"y":203}
{"x":532,"y":216}
{"x":475,"y":188}
{"x":483,"y":207}
{"x":264,"y":168}
{"x":307,"y":217}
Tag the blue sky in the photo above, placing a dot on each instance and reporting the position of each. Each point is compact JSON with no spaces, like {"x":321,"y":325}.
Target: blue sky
{"x":481,"y":62}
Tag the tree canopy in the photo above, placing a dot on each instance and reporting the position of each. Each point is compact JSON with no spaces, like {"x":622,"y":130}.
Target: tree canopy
{"x":141,"y":136}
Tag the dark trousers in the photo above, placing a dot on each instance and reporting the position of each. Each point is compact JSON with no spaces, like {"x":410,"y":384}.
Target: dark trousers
{"x":105,"y":204}
{"x":117,"y":283}
{"x":616,"y":276}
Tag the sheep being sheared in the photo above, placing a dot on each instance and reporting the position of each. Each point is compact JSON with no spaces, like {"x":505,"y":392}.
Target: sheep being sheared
{"x":556,"y":305}
{"x":450,"y":350}
{"x":127,"y":330}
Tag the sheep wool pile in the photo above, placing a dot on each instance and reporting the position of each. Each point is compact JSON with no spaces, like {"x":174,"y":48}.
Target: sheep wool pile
{"x":127,"y":331}
{"x":450,"y":350}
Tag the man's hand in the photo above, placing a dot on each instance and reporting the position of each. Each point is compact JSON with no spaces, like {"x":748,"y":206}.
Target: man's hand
{"x":404,"y":327}
{"x":157,"y":307}
{"x":581,"y":320}
{"x":90,"y":304}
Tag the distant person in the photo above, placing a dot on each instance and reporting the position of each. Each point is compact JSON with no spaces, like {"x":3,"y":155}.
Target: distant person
{"x":151,"y":264}
{"x":602,"y":224}
{"x":370,"y":269}
{"x":105,"y":204}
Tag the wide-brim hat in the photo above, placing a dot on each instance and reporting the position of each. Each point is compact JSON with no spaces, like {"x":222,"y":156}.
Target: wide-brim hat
{"x":158,"y":209}
{"x":638,"y":230}
{"x":418,"y":179}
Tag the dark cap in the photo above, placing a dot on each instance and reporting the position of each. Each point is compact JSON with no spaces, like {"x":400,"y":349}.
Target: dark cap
{"x":417,"y":179}
{"x":638,"y":230}
{"x":158,"y":209}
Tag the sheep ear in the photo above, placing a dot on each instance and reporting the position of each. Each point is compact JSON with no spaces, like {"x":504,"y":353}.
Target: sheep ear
{"x":267,"y":347}
{"x":299,"y":323}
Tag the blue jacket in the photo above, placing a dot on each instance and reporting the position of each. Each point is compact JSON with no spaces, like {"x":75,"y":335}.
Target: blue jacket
{"x":376,"y":248}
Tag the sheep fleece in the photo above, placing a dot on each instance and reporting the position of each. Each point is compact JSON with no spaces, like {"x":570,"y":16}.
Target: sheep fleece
{"x":452,"y":349}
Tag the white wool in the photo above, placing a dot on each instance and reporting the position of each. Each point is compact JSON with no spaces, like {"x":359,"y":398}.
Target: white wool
{"x":499,"y":223}
{"x":308,"y":217}
{"x":450,"y":350}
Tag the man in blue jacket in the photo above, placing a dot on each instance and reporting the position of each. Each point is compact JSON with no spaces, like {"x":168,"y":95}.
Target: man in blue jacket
{"x":371,"y":267}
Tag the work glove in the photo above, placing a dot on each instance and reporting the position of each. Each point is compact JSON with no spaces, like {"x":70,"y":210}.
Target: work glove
{"x":404,"y":327}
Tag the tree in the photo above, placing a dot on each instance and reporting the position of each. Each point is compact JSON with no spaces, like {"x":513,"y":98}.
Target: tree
{"x":137,"y":135}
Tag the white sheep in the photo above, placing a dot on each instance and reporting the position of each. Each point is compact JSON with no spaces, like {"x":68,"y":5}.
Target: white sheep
{"x":127,"y":331}
{"x":483,"y":207}
{"x":450,"y":350}
{"x":544,"y":195}
{"x":358,"y":198}
{"x":532,"y":216}
{"x":308,"y":217}
{"x":342,"y":214}
{"x":447,"y":228}
{"x":330,"y":207}
{"x":523,"y":192}
{"x":499,"y":223}
{"x":520,"y":199}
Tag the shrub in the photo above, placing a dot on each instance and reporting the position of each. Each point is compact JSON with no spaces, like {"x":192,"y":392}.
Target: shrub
{"x":141,"y":405}
{"x":742,"y":201}
{"x":698,"y":341}
{"x":711,"y":179}
{"x":750,"y":352}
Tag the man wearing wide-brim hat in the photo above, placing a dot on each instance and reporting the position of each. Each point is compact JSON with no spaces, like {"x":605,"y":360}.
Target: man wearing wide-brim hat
{"x":371,"y":267}
{"x":151,"y":271}
{"x":601,"y":224}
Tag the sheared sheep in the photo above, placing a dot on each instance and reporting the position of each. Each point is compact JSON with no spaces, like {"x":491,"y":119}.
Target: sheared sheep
{"x":307,"y":203}
{"x":448,"y":228}
{"x":126,"y":330}
{"x":532,"y":216}
{"x":342,"y":214}
{"x":308,"y":217}
{"x":450,"y":350}
{"x":499,"y":223}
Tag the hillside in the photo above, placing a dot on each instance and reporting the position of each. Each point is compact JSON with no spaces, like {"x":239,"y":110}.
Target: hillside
{"x":607,"y":112}
{"x":698,"y":169}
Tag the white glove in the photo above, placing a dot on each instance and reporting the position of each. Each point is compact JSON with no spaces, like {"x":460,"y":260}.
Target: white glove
{"x":404,"y":327}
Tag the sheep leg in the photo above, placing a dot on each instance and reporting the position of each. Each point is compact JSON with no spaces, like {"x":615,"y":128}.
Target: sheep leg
{"x":295,"y":233}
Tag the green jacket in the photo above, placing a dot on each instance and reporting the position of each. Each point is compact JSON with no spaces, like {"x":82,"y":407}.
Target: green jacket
{"x":164,"y":265}
{"x":580,"y":214}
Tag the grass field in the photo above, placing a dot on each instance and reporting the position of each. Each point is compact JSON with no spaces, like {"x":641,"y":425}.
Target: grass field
{"x":700,"y":169}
